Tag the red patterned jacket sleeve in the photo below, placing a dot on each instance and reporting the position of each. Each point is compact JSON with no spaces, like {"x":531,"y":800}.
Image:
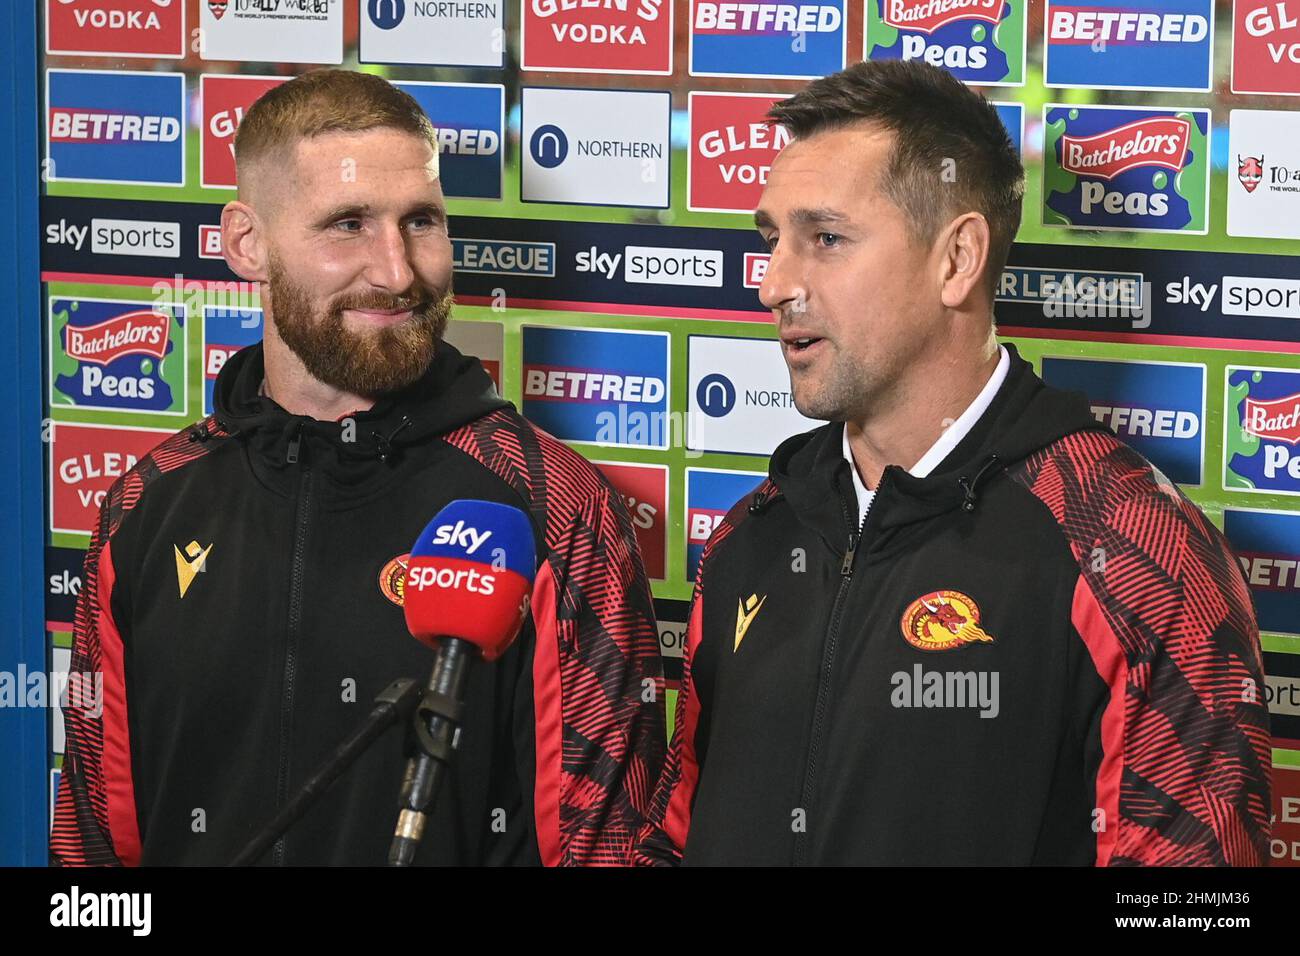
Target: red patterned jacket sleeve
{"x":663,"y":837}
{"x":94,"y":814}
{"x":597,"y":674}
{"x":1183,"y":761}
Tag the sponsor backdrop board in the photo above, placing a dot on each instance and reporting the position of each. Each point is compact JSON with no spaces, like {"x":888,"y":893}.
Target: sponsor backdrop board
{"x":602,"y":166}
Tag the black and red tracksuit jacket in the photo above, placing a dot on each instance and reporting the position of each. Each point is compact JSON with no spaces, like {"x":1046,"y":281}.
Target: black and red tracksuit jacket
{"x":218,"y":703}
{"x":839,"y":703}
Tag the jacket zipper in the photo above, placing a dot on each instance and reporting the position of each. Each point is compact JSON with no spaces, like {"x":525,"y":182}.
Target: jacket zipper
{"x":824,"y":681}
{"x":291,"y":641}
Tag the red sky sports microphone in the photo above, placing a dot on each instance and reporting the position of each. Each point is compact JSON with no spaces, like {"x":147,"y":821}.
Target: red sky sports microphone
{"x":466,"y":594}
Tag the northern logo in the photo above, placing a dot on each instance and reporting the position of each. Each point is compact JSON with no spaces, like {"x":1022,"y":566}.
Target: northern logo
{"x":942,"y":621}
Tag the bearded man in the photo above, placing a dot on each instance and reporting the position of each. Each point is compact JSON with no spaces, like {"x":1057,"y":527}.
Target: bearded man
{"x":243,"y":588}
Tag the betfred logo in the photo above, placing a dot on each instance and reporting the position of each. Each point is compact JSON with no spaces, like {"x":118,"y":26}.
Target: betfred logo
{"x":84,"y":461}
{"x":115,"y":127}
{"x":1113,"y":44}
{"x":710,"y":493}
{"x":732,"y":148}
{"x":1278,"y":420}
{"x":135,"y":333}
{"x":210,"y":242}
{"x":1267,"y":543}
{"x":583,"y":37}
{"x":601,"y":386}
{"x":1159,"y":142}
{"x":1157,"y":408}
{"x":644,"y":489}
{"x":125,"y":28}
{"x":756,"y":268}
{"x":1266,"y":47}
{"x":781,"y":39}
{"x":225,"y":100}
{"x":225,"y":332}
{"x":926,"y":16}
{"x":469,"y":123}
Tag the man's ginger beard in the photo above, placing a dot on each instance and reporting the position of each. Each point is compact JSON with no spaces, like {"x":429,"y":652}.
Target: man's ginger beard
{"x":371,"y":363}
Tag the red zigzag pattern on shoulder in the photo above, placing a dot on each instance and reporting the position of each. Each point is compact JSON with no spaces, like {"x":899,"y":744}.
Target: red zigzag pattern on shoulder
{"x":1196,"y":757}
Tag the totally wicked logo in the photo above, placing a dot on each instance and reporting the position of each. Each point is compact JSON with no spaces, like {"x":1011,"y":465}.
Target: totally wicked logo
{"x":1250,"y":170}
{"x":1112,"y":44}
{"x":978,"y":41}
{"x":1262,"y":432}
{"x":942,"y":621}
{"x":1126,"y":168}
{"x":125,"y":356}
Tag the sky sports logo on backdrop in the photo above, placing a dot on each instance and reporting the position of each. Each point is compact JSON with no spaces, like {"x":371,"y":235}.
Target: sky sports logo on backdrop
{"x":432,"y":32}
{"x":125,"y":28}
{"x":120,"y":356}
{"x":578,"y":36}
{"x":1114,"y":45}
{"x":115,"y":127}
{"x":1157,"y":408}
{"x":225,"y":332}
{"x":710,"y":493}
{"x":977,"y":41}
{"x":599,"y":386}
{"x":1268,"y":546}
{"x":469,"y":120}
{"x":778,"y":39}
{"x":1126,"y":168}
{"x":1261,"y":436}
{"x":595,"y":147}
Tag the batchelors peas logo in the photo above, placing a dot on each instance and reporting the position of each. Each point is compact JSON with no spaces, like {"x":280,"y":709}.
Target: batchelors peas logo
{"x":1250,"y":171}
{"x":978,"y":41}
{"x":942,"y":621}
{"x":1126,"y":168}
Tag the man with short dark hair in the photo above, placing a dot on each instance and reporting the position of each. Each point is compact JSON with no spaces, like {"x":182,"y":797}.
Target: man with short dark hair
{"x":962,"y":623}
{"x":243,"y":593}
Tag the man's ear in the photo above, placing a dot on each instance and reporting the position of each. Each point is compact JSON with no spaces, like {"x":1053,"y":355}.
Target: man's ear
{"x":243,"y":241}
{"x":965,"y":255}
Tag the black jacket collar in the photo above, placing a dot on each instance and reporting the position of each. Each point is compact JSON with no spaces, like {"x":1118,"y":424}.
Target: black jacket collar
{"x":1025,"y":415}
{"x":455,"y":389}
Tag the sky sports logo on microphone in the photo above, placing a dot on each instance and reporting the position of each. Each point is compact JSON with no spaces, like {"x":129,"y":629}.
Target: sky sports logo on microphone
{"x":1114,"y":45}
{"x":469,"y":576}
{"x":778,"y":39}
{"x":600,"y":386}
{"x":115,"y":127}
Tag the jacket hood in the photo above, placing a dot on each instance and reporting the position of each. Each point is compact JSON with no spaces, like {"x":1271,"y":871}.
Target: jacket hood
{"x":810,"y":472}
{"x":455,"y":389}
